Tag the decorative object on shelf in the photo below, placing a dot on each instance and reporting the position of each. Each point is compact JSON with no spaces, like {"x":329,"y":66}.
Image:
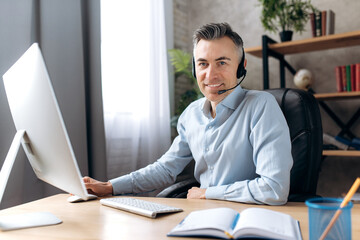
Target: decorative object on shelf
{"x":303,"y":79}
{"x":181,"y":61}
{"x":288,"y":15}
{"x":286,"y":36}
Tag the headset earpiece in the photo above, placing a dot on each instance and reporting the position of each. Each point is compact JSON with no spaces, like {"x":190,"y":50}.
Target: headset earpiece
{"x":241,"y":71}
{"x":193,"y":68}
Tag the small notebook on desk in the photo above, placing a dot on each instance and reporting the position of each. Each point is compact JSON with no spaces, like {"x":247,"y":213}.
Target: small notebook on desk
{"x":227,"y":223}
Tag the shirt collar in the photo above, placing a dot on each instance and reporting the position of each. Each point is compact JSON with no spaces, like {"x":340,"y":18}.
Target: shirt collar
{"x":231,"y":101}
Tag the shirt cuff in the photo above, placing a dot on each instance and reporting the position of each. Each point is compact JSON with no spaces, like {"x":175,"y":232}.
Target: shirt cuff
{"x":216,"y":192}
{"x":121,"y":185}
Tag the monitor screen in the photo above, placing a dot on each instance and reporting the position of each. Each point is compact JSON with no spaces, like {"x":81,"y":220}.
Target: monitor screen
{"x":34,"y":108}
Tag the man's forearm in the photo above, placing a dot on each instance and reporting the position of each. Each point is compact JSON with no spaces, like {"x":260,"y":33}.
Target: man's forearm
{"x":256,"y":191}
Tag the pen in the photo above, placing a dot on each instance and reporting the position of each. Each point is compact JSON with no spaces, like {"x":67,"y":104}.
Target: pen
{"x":235,"y":221}
{"x":233,"y":226}
{"x":229,"y":235}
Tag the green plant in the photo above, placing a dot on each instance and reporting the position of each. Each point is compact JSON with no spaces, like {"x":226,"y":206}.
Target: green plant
{"x":285,"y":14}
{"x":182,"y":65}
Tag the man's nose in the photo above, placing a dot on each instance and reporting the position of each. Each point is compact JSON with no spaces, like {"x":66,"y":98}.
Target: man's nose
{"x":212,"y":72}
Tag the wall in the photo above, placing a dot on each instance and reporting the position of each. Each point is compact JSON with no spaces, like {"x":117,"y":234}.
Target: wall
{"x":337,"y":173}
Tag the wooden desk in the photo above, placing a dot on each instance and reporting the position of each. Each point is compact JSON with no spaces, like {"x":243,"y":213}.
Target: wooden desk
{"x":91,"y":220}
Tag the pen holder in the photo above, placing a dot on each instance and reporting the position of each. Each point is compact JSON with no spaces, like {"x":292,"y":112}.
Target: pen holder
{"x":321,"y":210}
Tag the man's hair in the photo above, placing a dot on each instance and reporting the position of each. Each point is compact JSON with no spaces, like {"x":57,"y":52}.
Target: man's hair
{"x":214,"y":31}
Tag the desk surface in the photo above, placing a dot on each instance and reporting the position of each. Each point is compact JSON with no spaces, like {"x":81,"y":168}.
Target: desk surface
{"x":91,"y":220}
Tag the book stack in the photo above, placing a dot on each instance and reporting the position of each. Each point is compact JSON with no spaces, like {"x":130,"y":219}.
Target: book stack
{"x":348,"y":78}
{"x":322,"y":23}
{"x":340,"y":143}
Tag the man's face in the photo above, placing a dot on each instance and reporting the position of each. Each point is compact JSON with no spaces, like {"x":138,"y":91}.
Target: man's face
{"x":216,"y":63}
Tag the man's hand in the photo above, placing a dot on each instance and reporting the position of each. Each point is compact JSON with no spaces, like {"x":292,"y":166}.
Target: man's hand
{"x":196,"y":193}
{"x":98,"y":188}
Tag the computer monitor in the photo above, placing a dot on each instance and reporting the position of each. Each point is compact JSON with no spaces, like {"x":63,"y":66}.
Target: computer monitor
{"x":40,"y":126}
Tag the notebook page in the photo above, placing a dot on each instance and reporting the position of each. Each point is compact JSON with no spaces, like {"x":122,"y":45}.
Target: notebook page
{"x":219,"y":218}
{"x":266,"y":221}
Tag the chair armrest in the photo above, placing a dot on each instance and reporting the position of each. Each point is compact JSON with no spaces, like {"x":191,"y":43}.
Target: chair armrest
{"x":178,"y":190}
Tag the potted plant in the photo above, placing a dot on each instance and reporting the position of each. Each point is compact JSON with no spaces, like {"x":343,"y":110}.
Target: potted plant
{"x":183,"y":67}
{"x":285,"y":16}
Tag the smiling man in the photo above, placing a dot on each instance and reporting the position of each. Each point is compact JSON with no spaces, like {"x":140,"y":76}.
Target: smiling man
{"x":216,"y":64}
{"x":238,"y":138}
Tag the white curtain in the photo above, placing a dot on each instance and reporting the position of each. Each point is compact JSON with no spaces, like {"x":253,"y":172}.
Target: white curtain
{"x":135,"y":83}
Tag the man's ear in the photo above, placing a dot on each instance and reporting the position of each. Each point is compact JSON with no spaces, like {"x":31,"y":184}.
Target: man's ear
{"x":245,"y":62}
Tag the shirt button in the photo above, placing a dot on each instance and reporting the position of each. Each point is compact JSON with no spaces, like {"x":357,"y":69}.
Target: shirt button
{"x":207,"y":149}
{"x":209,"y":127}
{"x":211,"y":168}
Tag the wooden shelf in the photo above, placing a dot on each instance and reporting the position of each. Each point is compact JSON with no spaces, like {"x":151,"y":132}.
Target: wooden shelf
{"x":343,"y":153}
{"x":337,"y":96}
{"x":311,"y":44}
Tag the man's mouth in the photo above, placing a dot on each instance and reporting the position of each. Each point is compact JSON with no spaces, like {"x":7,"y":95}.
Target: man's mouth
{"x":213,"y":85}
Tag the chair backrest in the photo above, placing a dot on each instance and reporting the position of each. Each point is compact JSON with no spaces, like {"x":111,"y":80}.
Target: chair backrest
{"x":302,"y":114}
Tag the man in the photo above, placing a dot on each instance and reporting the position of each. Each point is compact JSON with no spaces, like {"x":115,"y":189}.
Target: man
{"x":238,"y":138}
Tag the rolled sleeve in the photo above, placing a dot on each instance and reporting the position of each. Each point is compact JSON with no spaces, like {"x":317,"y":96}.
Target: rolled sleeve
{"x":122,"y":185}
{"x":217,"y":192}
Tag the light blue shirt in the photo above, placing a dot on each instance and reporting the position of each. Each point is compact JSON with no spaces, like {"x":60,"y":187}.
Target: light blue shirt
{"x":243,"y":154}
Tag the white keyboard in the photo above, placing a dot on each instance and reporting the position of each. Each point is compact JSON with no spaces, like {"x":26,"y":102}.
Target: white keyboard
{"x":142,"y":207}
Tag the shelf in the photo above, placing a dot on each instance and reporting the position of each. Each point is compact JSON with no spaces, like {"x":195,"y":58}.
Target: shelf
{"x":342,"y":153}
{"x":311,"y":44}
{"x":337,"y":96}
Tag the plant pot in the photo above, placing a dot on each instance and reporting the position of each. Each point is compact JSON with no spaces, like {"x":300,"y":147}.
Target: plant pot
{"x":286,"y":36}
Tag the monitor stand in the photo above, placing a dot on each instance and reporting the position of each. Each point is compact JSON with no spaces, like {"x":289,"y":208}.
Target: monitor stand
{"x":26,"y":220}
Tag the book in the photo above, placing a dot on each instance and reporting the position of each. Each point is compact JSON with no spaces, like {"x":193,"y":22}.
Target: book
{"x":348,"y":142}
{"x":343,"y":140}
{"x":330,"y":22}
{"x":353,"y":82}
{"x":323,"y":23}
{"x":357,"y":77}
{"x":227,"y":223}
{"x":348,"y":78}
{"x":312,"y":24}
{"x":343,"y":78}
{"x":328,"y":139}
{"x":318,"y":23}
{"x":339,"y":86}
{"x":355,"y":141}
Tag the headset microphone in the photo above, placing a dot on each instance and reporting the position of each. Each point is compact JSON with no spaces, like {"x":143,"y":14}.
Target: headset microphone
{"x":225,"y":90}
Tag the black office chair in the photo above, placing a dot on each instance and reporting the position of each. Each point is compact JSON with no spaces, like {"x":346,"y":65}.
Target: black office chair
{"x":302,"y":114}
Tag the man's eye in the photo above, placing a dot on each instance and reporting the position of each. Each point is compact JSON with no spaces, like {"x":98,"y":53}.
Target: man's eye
{"x":202,"y":64}
{"x":222,"y":63}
